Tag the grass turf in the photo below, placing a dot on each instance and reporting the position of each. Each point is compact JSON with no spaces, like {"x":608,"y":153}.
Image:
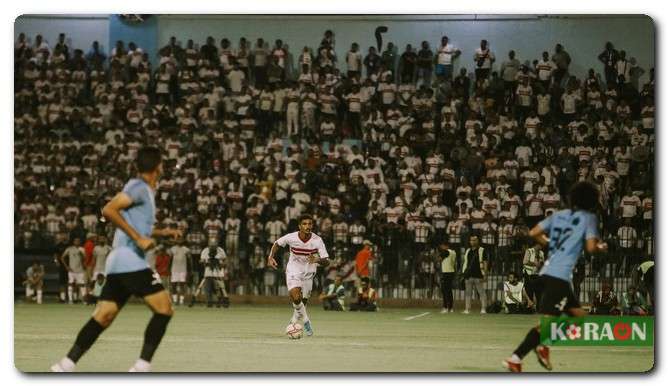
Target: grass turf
{"x":250,"y":338}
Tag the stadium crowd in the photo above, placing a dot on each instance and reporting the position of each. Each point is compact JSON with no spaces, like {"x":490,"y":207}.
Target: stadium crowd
{"x":392,"y":152}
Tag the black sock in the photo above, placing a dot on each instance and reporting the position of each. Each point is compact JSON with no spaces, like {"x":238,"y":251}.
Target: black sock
{"x":529,"y":343}
{"x":87,"y":336}
{"x":153,"y":335}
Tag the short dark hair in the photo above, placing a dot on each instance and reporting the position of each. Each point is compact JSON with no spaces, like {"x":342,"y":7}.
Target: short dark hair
{"x":584,"y":195}
{"x":148,"y":159}
{"x":304,"y":217}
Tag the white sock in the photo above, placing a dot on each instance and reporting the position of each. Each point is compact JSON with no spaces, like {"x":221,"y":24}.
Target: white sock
{"x":62,"y":296}
{"x":67,"y":364}
{"x":174,"y":298}
{"x":39,"y":296}
{"x":141,"y":366}
{"x":82,"y":293}
{"x":28,"y":292}
{"x":515,"y":359}
{"x":301,"y":311}
{"x":182,"y":298}
{"x":70,"y":293}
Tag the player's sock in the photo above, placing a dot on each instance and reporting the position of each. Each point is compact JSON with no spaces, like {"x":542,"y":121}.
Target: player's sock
{"x":141,"y":366}
{"x":182,"y":299}
{"x":153,"y":335}
{"x":39,"y":296}
{"x":28,"y":292}
{"x":64,"y":365}
{"x":82,"y":293}
{"x":174,"y":298}
{"x":62,"y":296}
{"x":299,"y":312}
{"x":87,"y":336}
{"x":529,"y":343}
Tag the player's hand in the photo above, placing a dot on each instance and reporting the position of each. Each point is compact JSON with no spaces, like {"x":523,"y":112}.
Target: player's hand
{"x":145,"y":243}
{"x":313,"y":258}
{"x":175,"y":233}
{"x":602,"y":246}
{"x":323,"y":262}
{"x":271,"y":262}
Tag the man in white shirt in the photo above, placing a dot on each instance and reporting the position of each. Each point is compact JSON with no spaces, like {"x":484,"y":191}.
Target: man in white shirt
{"x":483,"y":59}
{"x":307,"y":251}
{"x":444,"y":59}
{"x":627,"y":237}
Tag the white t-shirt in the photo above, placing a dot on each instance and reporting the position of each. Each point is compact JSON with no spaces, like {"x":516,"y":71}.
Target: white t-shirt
{"x":301,"y":250}
{"x":445,"y":54}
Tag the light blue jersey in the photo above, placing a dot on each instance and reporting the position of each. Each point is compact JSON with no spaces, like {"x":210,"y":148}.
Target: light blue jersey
{"x":567,"y":231}
{"x":126,"y":256}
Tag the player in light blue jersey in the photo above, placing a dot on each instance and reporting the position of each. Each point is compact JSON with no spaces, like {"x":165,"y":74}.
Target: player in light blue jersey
{"x":566,"y":233}
{"x":128,"y":273}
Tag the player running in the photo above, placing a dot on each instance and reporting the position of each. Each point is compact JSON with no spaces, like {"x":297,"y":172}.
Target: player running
{"x":569,"y":230}
{"x":133,"y":213}
{"x":307,"y":251}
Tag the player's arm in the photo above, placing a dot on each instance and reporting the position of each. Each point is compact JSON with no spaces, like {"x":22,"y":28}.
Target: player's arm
{"x":112,"y":212}
{"x":323,"y":257}
{"x":594,"y":243}
{"x":526,"y":296}
{"x":271,"y":261}
{"x":537,"y":233}
{"x":62,"y":260}
{"x":167,"y":232}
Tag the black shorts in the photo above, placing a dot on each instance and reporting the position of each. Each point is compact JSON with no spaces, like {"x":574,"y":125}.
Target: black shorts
{"x":558,"y":296}
{"x":118,"y":287}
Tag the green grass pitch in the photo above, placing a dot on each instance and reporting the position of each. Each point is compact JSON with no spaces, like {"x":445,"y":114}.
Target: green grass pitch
{"x":250,"y":338}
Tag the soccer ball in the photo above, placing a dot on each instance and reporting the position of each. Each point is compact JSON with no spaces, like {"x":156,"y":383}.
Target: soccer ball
{"x":294,"y":331}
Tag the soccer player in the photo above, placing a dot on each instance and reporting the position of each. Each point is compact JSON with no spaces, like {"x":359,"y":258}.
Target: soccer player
{"x":132,"y":211}
{"x":566,"y":233}
{"x":72,"y":259}
{"x":307,"y":251}
{"x":180,"y":268}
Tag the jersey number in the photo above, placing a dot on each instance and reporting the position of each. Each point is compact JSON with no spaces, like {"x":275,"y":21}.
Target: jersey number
{"x":560,"y":236}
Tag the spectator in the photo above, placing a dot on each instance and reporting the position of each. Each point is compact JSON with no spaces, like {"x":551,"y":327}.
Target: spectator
{"x":364,"y":259}
{"x":474,"y":270}
{"x":333,"y":299}
{"x":213,"y":258}
{"x":483,"y":59}
{"x":609,"y":58}
{"x":605,"y":302}
{"x":516,"y":299}
{"x":562,"y":60}
{"x":448,"y":273}
{"x":534,"y":258}
{"x":34,"y":282}
{"x":444,"y":58}
{"x":366,"y":297}
{"x":633,"y":303}
{"x":628,"y":239}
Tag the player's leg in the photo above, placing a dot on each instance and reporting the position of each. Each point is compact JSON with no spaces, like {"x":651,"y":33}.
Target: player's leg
{"x":104,"y":314}
{"x":147,"y":285}
{"x":81,"y":278}
{"x":38,"y":289}
{"x":482,"y":294}
{"x":295,"y":295}
{"x":70,"y":287}
{"x":468,"y":292}
{"x":307,"y":286}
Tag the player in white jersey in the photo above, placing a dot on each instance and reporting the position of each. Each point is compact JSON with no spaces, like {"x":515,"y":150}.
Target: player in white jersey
{"x":179,"y":270}
{"x":307,"y":251}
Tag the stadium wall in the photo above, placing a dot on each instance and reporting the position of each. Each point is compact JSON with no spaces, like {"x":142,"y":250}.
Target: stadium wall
{"x":81,"y":30}
{"x":583,"y":37}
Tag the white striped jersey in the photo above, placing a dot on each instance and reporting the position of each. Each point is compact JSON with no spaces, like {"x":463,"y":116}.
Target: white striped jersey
{"x":300,"y":250}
